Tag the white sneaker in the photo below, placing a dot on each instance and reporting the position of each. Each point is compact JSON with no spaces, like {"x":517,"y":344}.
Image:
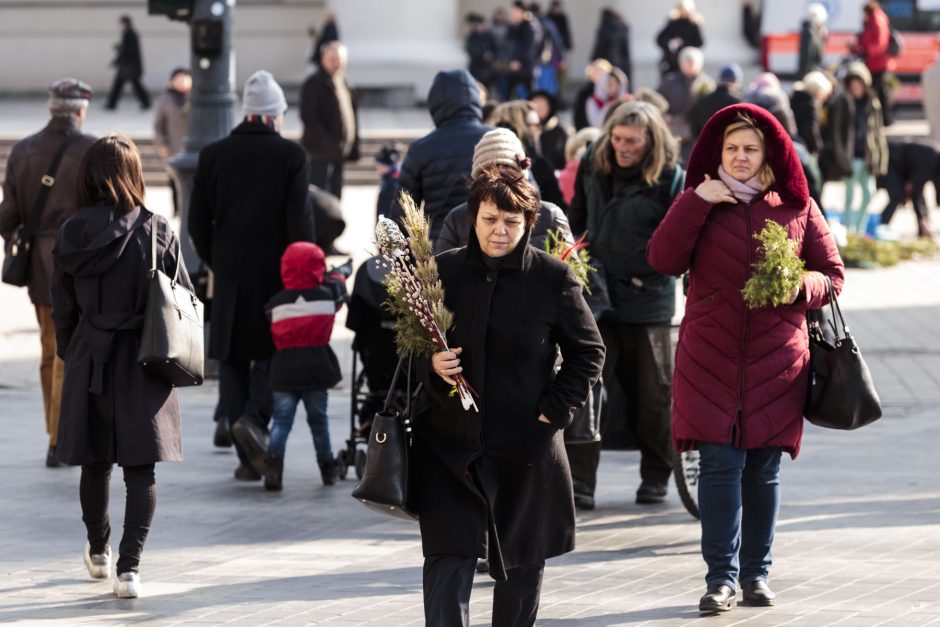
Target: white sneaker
{"x":127,"y":586}
{"x":99,"y":565}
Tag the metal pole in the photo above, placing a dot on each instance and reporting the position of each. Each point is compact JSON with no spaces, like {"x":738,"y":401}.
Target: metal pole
{"x":211,"y":112}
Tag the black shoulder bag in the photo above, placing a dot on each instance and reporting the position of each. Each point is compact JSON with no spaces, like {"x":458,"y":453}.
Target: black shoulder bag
{"x":16,"y":249}
{"x":841,"y":392}
{"x":171,"y":342}
{"x":384,"y":485}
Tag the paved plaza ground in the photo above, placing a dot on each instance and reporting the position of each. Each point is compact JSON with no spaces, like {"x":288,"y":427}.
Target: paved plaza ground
{"x":858,"y":542}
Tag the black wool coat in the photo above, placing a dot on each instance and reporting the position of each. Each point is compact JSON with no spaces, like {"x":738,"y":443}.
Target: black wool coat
{"x":496,"y":484}
{"x":112,"y":410}
{"x":249,"y":202}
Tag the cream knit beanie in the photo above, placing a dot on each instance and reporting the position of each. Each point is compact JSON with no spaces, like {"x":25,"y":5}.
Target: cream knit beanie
{"x":497,"y":147}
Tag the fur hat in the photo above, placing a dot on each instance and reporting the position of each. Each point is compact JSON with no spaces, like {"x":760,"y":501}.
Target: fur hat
{"x":263,"y":96}
{"x":497,"y":147}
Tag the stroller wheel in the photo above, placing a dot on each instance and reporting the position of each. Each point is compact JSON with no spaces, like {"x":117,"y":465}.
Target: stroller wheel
{"x":342,"y":466}
{"x":360,"y":462}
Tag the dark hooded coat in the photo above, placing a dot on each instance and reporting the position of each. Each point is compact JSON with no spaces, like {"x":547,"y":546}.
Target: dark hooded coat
{"x":741,"y":374}
{"x":496,"y":483}
{"x":437,"y":166}
{"x":249,"y":202}
{"x":112,"y":409}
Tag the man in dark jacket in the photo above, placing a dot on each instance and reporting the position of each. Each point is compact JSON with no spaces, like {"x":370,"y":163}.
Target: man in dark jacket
{"x":437,"y":166}
{"x":624,"y":187}
{"x":911,"y":164}
{"x":525,"y":41}
{"x":27,"y":166}
{"x":128,"y":65}
{"x":726,"y":93}
{"x":248,"y":204}
{"x":328,"y":112}
{"x":612,"y":42}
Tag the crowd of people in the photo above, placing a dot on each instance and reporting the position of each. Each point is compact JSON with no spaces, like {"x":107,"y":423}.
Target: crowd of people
{"x":657,"y":182}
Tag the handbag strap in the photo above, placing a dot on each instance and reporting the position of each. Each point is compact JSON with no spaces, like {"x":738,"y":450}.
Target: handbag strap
{"x":48,"y":180}
{"x":154,"y":225}
{"x":836,"y":310}
{"x":394,"y":383}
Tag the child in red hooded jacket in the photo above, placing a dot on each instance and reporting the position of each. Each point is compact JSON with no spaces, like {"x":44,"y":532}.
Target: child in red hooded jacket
{"x":304,"y":366}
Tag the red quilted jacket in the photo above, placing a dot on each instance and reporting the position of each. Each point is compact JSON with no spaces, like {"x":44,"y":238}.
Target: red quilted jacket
{"x":741,"y":374}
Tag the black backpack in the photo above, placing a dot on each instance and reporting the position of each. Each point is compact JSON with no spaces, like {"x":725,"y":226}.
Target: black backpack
{"x":894,"y":43}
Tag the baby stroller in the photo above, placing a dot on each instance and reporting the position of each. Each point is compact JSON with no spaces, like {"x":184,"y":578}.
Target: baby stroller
{"x":374,"y":348}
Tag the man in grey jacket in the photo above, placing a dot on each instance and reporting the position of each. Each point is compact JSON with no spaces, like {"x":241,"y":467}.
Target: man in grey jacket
{"x":27,"y":171}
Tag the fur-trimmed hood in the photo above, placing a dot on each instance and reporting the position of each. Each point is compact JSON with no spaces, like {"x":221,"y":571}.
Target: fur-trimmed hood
{"x":706,"y":154}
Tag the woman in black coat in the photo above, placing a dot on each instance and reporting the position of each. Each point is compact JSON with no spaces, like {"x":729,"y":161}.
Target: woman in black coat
{"x":112,"y":409}
{"x":496,"y":484}
{"x":683,"y":29}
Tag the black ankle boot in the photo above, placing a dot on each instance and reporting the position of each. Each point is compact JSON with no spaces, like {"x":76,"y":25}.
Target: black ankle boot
{"x":717,"y":599}
{"x":757,"y":594}
{"x":273,"y":472}
{"x":328,"y":471}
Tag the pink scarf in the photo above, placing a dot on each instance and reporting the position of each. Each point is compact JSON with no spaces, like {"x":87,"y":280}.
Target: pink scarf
{"x":746,"y":191}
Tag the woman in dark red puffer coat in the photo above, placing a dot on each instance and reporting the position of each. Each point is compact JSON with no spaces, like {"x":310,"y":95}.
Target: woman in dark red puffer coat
{"x":741,"y":374}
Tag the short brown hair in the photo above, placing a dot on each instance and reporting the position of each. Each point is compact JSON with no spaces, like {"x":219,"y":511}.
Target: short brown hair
{"x":110,"y":172}
{"x":509,"y":190}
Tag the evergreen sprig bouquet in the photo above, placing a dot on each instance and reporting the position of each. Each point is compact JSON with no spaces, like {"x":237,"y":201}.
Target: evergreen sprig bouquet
{"x":416,"y":296}
{"x":575,"y":255}
{"x":778,"y":272}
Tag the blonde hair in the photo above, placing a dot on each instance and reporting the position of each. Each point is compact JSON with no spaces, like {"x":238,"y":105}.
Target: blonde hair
{"x":765,"y":176}
{"x":512,"y":115}
{"x":577,"y":143}
{"x":662,"y":148}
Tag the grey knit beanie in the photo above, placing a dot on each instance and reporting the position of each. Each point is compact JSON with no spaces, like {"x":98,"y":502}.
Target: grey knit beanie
{"x":497,"y":147}
{"x":263,"y":96}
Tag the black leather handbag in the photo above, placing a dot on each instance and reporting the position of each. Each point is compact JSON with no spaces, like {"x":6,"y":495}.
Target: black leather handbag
{"x":384,"y":485}
{"x":586,"y":423}
{"x":841,"y":392}
{"x":16,"y":248}
{"x":171,"y":342}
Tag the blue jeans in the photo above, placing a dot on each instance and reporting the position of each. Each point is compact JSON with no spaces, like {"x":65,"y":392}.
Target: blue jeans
{"x":285,"y":406}
{"x":738,"y":497}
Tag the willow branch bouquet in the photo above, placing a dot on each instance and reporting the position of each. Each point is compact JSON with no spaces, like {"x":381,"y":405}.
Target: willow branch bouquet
{"x":575,"y":255}
{"x":778,"y":272}
{"x":416,"y":296}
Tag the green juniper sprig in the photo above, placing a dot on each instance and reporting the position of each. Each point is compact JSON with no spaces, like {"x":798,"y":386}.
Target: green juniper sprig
{"x":575,"y":255}
{"x":778,"y":271}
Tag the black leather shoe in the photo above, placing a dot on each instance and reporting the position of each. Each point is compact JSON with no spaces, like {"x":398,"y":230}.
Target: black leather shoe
{"x":221,"y":438}
{"x":246,"y":473}
{"x":583,"y":502}
{"x":717,"y":599}
{"x":51,"y":461}
{"x":254,"y":441}
{"x":651,"y":492}
{"x":757,"y":594}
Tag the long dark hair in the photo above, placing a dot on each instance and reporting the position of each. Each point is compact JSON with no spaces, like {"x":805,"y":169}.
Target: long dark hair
{"x":111,"y":173}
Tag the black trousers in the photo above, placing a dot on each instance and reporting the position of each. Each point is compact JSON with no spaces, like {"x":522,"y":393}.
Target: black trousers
{"x":896,"y":185}
{"x":327,"y":175}
{"x":884,"y":97}
{"x":448,"y":580}
{"x":244,"y":392}
{"x":639,"y":360}
{"x":118,"y":86}
{"x":141,"y":500}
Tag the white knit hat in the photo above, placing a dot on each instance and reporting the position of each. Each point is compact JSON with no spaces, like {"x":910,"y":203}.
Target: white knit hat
{"x":263,"y":96}
{"x":497,"y":147}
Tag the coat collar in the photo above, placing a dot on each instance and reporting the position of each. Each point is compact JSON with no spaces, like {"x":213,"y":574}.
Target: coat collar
{"x":253,"y":128}
{"x":519,"y":259}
